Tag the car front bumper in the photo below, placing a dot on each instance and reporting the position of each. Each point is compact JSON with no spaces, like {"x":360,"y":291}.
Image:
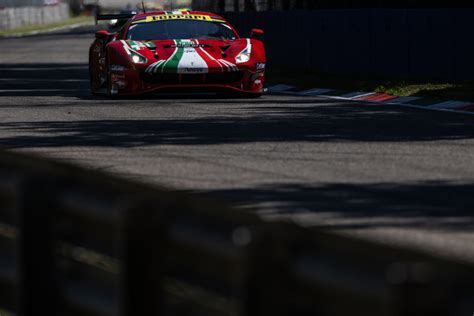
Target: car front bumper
{"x":137,"y":81}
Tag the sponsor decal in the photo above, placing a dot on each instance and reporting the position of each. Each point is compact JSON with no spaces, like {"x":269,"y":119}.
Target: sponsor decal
{"x":117,"y":68}
{"x":193,"y":70}
{"x":97,"y":48}
{"x":115,"y":77}
{"x":168,"y":17}
{"x":189,"y":44}
{"x":260,"y":66}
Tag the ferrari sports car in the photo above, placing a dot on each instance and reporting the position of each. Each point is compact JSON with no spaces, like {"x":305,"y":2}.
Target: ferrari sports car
{"x":179,"y":51}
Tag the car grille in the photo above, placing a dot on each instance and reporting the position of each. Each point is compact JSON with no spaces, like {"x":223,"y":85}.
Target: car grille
{"x":211,"y":78}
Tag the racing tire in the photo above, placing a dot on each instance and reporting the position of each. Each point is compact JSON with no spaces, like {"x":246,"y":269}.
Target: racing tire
{"x":91,"y":79}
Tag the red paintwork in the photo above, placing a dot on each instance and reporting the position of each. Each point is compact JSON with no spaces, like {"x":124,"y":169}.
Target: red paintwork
{"x":110,"y":65}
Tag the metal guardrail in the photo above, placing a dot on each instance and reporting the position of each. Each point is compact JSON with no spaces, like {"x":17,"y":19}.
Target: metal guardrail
{"x":78,"y":242}
{"x":376,"y":35}
{"x":269,"y":5}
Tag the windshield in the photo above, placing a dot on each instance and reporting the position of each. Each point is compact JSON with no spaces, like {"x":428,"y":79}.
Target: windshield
{"x":184,"y":29}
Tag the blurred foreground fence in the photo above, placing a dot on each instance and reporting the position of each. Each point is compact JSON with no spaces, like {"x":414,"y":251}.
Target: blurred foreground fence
{"x":430,"y":44}
{"x":78,"y":242}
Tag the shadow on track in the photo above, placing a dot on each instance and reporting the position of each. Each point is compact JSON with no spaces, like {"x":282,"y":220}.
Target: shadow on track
{"x":258,"y":122}
{"x":44,"y":80}
{"x":263,"y":120}
{"x":358,"y":206}
{"x":255,"y":120}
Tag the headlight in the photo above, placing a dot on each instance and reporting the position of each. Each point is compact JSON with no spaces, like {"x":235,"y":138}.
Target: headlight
{"x":244,"y":55}
{"x":137,"y":58}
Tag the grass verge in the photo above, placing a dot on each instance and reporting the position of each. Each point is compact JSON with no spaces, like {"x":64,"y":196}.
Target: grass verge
{"x":421,"y":88}
{"x":25,"y":30}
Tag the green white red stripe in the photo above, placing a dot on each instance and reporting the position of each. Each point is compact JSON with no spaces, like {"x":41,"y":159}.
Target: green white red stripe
{"x":190,"y":58}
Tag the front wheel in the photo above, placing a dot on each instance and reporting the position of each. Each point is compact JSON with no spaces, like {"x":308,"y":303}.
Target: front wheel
{"x":92,"y":79}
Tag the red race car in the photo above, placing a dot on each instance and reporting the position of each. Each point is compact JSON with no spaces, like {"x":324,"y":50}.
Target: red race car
{"x":179,"y":51}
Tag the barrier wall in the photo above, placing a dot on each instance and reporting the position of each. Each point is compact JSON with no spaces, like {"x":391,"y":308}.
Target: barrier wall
{"x":268,"y":5}
{"x":81,"y":242}
{"x":11,"y":18}
{"x":433,"y":44}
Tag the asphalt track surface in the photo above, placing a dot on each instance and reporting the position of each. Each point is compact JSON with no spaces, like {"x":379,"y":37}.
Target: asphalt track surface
{"x":392,"y":174}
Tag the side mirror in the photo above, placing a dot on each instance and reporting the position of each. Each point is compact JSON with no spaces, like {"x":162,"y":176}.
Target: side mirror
{"x":257,"y":34}
{"x":102,"y":35}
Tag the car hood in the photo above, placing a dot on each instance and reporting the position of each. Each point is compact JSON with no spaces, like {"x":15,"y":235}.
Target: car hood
{"x":189,"y":56}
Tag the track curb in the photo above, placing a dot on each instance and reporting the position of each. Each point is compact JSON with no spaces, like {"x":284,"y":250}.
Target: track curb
{"x":376,"y":98}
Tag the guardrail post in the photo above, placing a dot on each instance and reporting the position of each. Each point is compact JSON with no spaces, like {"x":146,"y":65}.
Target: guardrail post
{"x":105,"y":236}
{"x":10,"y":278}
{"x":37,"y":264}
{"x":141,"y":262}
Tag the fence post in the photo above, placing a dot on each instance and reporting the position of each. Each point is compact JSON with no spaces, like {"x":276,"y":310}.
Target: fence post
{"x":37,"y":249}
{"x":11,"y":185}
{"x":141,"y":277}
